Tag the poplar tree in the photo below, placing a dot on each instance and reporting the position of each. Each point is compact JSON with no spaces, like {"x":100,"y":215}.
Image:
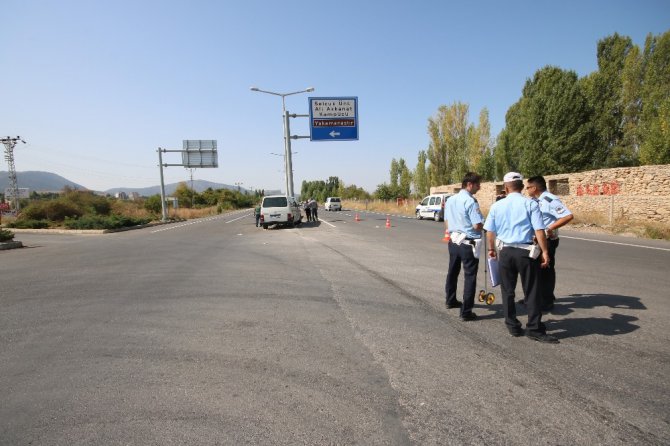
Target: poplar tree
{"x":421,"y":186}
{"x":655,"y":118}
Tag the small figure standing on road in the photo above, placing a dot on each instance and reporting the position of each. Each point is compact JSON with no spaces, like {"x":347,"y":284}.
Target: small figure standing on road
{"x":315,"y":209}
{"x":308,"y":210}
{"x":555,"y":215}
{"x":511,"y":225}
{"x":257,"y":214}
{"x":464,"y":221}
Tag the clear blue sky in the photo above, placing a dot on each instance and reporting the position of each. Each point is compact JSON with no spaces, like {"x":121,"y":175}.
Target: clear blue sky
{"x":95,"y":87}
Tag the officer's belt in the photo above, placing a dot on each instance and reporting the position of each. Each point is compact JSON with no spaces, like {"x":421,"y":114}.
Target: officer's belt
{"x":515,"y":245}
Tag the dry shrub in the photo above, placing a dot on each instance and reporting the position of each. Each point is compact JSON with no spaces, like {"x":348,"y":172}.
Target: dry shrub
{"x":591,"y":218}
{"x":188,"y":213}
{"x":130,"y":209}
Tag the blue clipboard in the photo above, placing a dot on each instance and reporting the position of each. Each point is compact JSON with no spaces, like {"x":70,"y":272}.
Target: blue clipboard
{"x":494,"y":273}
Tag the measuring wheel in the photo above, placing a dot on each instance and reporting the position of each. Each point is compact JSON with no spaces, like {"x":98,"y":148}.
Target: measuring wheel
{"x":482,"y":295}
{"x":490,"y":298}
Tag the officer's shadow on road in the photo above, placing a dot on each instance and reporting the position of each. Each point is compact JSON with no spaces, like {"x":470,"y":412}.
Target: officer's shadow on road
{"x":616,"y":324}
{"x":569,"y":327}
{"x":310,"y":224}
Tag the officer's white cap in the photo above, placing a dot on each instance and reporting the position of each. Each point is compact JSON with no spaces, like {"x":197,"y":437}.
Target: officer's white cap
{"x":512,"y":176}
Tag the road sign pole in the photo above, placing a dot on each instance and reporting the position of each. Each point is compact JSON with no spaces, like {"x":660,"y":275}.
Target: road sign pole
{"x":289,"y":157}
{"x":160,"y":164}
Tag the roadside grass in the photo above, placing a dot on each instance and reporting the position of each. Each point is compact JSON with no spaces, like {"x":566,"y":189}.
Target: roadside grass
{"x":384,"y":207}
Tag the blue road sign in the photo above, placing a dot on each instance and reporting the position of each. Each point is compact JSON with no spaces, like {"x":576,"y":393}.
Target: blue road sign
{"x":333,"y":119}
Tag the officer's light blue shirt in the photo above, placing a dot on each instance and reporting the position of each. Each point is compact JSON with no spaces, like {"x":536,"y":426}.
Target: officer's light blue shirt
{"x":462,"y":213}
{"x":552,"y":208}
{"x":514,"y":219}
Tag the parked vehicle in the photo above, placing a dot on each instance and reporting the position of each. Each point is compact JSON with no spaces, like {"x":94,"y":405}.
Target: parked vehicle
{"x":432,"y":207}
{"x":333,"y":204}
{"x":280,"y":210}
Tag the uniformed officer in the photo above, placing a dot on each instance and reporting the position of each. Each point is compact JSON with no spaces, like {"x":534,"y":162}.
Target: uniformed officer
{"x":513,"y":222}
{"x":464,"y":222}
{"x":555,"y":215}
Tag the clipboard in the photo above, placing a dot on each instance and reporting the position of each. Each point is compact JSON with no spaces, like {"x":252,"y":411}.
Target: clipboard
{"x":494,"y":273}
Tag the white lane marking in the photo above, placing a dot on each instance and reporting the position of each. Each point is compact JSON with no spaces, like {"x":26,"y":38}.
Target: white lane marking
{"x":188,"y":223}
{"x":615,"y":243}
{"x":238,"y":218}
{"x":332,"y":225}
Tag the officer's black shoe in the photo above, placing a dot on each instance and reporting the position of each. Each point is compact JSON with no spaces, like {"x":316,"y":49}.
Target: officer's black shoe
{"x":455,"y":304}
{"x":516,"y":331}
{"x":547,"y":308}
{"x":542,"y":337}
{"x":467,"y":317}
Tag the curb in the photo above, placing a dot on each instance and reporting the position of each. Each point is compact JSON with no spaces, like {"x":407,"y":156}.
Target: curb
{"x":10,"y":245}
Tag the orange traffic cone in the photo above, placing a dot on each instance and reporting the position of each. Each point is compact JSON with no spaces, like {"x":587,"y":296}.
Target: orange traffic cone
{"x":357,"y":218}
{"x":447,"y":237}
{"x":388,"y":221}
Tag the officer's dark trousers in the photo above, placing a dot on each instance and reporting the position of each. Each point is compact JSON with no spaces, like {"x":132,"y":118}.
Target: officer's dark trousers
{"x":462,"y":254}
{"x":548,"y":276}
{"x":512,"y":263}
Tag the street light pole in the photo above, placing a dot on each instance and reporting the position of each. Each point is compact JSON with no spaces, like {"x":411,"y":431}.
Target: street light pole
{"x":288,"y":162}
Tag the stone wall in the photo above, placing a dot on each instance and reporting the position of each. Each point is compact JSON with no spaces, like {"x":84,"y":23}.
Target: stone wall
{"x":635,"y":193}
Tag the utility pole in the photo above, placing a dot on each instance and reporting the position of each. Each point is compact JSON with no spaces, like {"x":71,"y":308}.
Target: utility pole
{"x":13,"y":183}
{"x":192,"y":190}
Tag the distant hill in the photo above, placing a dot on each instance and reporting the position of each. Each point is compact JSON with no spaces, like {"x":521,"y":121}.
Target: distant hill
{"x":198,"y":185}
{"x":47,"y":181}
{"x":38,"y":181}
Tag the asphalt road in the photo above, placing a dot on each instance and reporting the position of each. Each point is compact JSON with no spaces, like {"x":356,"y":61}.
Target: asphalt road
{"x":217,"y":332}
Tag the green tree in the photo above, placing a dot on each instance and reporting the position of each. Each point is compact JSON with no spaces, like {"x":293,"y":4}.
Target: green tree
{"x":421,"y":186}
{"x":549,"y":130}
{"x":184,"y":195}
{"x":631,"y":83}
{"x":405,"y":179}
{"x":394,"y":172}
{"x":655,"y":117}
{"x":447,"y":151}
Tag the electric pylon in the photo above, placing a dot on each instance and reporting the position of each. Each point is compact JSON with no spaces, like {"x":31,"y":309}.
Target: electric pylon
{"x":9,"y":143}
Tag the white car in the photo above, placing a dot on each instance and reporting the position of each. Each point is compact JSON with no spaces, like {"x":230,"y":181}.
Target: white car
{"x":432,"y":207}
{"x":333,"y":204}
{"x":280,"y":210}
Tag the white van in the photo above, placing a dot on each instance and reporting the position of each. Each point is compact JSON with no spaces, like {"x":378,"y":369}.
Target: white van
{"x":432,"y":207}
{"x":279,"y":210}
{"x":333,"y":204}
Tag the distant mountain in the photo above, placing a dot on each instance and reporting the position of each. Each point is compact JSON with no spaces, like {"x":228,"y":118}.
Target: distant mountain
{"x":198,"y":185}
{"x":47,"y":181}
{"x":38,"y":181}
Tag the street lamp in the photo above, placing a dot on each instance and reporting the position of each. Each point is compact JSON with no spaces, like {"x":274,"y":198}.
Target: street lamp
{"x":288,"y":163}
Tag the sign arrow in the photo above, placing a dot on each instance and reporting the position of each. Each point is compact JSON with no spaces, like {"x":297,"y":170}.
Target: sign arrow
{"x":334,"y":134}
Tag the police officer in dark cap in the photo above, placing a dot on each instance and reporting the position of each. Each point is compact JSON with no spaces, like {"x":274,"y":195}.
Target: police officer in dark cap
{"x":555,"y":215}
{"x":511,"y":224}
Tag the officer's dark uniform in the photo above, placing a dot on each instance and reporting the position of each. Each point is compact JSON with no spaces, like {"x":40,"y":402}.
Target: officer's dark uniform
{"x":462,"y":212}
{"x":514,"y":221}
{"x":552,"y":209}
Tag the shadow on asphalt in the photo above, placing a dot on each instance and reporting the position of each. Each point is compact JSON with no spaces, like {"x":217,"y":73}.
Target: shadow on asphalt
{"x":310,"y":224}
{"x":616,"y":324}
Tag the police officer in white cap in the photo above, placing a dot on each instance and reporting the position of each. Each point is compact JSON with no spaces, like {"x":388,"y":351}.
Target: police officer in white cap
{"x":555,"y":215}
{"x":511,"y":224}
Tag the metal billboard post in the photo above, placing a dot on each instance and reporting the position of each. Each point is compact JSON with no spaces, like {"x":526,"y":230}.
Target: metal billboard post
{"x":163,"y":208}
{"x":197,"y":153}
